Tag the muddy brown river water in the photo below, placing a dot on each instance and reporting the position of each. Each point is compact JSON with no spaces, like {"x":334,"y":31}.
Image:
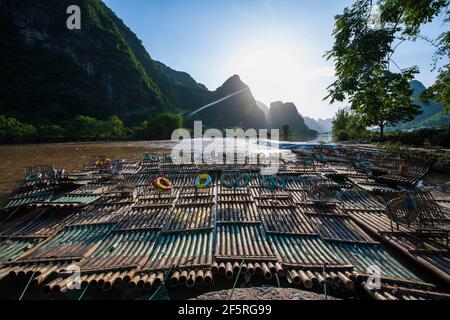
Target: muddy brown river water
{"x":73,"y":156}
{"x":70,"y":156}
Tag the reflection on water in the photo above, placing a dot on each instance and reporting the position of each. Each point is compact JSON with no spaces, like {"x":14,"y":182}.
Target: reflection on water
{"x":73,"y":156}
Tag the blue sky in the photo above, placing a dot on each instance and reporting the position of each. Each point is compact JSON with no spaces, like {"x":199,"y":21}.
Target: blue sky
{"x":276,"y":46}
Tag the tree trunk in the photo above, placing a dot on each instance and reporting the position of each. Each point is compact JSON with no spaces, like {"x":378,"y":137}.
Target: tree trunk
{"x":381,"y":131}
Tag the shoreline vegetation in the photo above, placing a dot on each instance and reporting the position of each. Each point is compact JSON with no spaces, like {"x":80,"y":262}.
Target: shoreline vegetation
{"x":85,"y":128}
{"x":88,"y":129}
{"x":430,"y":146}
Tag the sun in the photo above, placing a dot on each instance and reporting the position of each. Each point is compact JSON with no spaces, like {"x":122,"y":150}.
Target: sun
{"x":274,"y":70}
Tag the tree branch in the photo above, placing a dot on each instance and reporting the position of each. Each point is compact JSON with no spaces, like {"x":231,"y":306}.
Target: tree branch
{"x":394,"y":31}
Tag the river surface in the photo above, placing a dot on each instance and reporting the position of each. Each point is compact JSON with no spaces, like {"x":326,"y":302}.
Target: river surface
{"x":73,"y":156}
{"x":70,"y":156}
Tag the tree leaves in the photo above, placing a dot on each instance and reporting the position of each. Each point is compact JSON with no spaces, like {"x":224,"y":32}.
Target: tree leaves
{"x":363,"y":59}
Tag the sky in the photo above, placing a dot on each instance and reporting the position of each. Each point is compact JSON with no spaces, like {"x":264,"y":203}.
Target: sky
{"x":275,"y":46}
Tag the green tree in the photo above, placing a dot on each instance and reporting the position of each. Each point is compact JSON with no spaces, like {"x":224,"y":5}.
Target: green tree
{"x":385,"y":99}
{"x":12,"y":130}
{"x":440,"y":90}
{"x":348,"y":126}
{"x":88,"y":127}
{"x":339,"y":126}
{"x":362,"y":54}
{"x":85,"y":127}
{"x":114,"y":127}
{"x":160,"y":126}
{"x":410,"y":15}
{"x":51,"y":132}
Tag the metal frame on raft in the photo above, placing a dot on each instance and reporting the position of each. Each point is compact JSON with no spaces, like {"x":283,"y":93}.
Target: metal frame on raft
{"x":299,"y":228}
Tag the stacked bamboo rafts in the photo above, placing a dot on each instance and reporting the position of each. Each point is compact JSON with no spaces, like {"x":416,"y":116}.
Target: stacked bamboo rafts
{"x":185,"y":257}
{"x":433,"y":253}
{"x":143,"y":218}
{"x":241,"y":243}
{"x":40,"y":223}
{"x":316,"y":228}
{"x":73,"y":242}
{"x":236,"y":205}
{"x":30,"y":196}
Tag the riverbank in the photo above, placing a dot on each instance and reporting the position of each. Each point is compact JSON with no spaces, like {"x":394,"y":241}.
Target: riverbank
{"x":74,"y":155}
{"x":70,"y":156}
{"x":438,"y":158}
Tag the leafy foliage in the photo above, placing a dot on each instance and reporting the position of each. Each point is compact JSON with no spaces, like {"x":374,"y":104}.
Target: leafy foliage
{"x":159,"y":127}
{"x":385,"y":99}
{"x":440,"y":90}
{"x":81,"y":127}
{"x":90,"y":128}
{"x":363,"y":59}
{"x":421,"y":138}
{"x":412,"y":14}
{"x":438,"y":160}
{"x":348,"y":126}
{"x":12,"y":131}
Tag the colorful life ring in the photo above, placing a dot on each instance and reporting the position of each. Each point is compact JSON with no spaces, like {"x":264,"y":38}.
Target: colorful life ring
{"x":227,"y":181}
{"x":101,"y":161}
{"x":34,"y":176}
{"x":162,"y":184}
{"x":411,"y":205}
{"x":308,"y":161}
{"x":203,"y":181}
{"x":242,"y":180}
{"x":365,"y":164}
{"x":320,"y":158}
{"x":146,"y":157}
{"x":273,"y":182}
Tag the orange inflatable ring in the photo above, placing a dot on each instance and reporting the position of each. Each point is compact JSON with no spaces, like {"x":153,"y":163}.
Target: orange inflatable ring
{"x":101,"y":160}
{"x":162,"y":184}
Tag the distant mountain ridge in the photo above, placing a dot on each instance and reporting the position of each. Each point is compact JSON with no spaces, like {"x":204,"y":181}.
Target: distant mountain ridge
{"x":100,"y":70}
{"x":281,"y":114}
{"x":51,"y":74}
{"x":263,"y":107}
{"x":240,"y":110}
{"x":431,"y":116}
{"x":320,"y":125}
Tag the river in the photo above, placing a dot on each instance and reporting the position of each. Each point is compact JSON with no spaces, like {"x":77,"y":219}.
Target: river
{"x":73,"y":156}
{"x":70,"y":156}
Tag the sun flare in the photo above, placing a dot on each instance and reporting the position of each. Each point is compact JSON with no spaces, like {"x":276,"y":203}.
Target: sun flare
{"x":274,"y":70}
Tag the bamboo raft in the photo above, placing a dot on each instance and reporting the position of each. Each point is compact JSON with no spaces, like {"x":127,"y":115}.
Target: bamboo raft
{"x":321,"y":229}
